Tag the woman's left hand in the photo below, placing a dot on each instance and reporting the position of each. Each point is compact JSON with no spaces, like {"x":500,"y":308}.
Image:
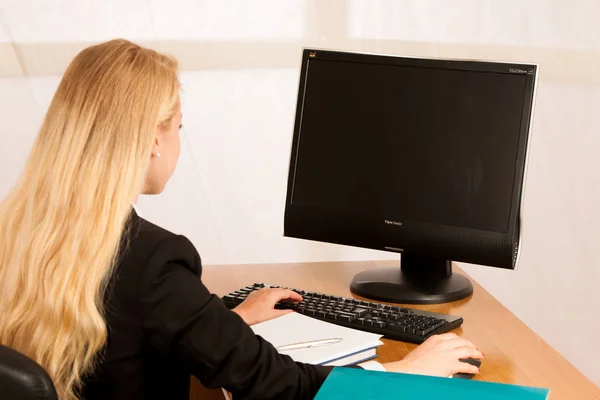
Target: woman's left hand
{"x":259,"y":306}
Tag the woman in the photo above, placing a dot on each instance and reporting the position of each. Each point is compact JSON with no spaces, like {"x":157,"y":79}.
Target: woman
{"x":109,"y":304}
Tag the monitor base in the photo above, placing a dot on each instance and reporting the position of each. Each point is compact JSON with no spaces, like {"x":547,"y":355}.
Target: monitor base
{"x":419,"y":281}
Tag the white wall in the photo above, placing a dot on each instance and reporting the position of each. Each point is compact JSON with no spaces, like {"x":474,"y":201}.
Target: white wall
{"x":240,"y":75}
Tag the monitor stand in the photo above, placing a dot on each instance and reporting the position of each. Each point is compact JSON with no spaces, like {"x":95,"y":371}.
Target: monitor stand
{"x":420,"y":280}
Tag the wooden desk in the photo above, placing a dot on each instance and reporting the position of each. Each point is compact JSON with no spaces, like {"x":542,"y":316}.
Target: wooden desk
{"x":514,"y":353}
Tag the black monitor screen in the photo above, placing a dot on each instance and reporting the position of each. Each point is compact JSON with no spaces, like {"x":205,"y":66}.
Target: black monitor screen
{"x":409,"y":143}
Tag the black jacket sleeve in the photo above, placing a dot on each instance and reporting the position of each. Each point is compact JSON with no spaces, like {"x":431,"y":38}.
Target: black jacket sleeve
{"x":180,"y":317}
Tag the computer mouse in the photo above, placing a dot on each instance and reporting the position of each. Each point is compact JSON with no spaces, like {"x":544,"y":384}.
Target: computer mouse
{"x":472,"y":361}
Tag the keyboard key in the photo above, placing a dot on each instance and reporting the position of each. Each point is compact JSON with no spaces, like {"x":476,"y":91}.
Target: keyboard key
{"x":228,"y":298}
{"x":424,"y":332}
{"x":321,"y":314}
{"x":346,"y":314}
{"x":331,"y":315}
{"x":359,"y":311}
{"x":397,"y":327}
{"x":379,"y":324}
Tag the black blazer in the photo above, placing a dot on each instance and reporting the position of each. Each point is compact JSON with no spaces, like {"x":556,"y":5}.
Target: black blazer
{"x":164,"y":325}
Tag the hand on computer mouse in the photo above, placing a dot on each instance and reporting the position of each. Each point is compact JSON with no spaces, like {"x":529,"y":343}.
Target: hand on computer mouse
{"x":472,"y":361}
{"x":259,"y":306}
{"x":439,"y":356}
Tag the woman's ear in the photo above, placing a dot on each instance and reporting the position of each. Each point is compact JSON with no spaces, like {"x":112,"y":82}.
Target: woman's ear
{"x":156,"y":144}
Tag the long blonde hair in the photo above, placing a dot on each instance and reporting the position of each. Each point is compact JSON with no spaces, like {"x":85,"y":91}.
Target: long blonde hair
{"x":62,"y":224}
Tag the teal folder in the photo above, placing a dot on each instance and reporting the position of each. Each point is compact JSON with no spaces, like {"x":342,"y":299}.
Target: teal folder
{"x":351,"y":383}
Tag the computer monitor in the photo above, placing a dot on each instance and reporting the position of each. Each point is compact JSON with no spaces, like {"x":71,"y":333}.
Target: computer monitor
{"x":423,"y":157}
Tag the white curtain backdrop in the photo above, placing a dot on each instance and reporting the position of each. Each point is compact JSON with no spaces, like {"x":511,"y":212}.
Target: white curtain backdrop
{"x":240,"y":63}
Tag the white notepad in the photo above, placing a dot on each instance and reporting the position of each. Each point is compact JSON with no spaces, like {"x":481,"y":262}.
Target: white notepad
{"x":356,"y":346}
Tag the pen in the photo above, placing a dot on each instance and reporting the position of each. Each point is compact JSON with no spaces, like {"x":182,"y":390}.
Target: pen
{"x":309,"y":344}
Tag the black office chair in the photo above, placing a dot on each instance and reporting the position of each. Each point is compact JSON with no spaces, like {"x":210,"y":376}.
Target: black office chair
{"x":22,"y":378}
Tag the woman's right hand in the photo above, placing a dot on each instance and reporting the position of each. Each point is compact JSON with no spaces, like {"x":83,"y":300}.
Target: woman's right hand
{"x":438,"y":356}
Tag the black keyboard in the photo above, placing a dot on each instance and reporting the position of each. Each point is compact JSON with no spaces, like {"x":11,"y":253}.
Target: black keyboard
{"x":393,"y":322}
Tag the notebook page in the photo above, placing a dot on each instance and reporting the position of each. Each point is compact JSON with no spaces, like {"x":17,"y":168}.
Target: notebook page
{"x":295,"y":328}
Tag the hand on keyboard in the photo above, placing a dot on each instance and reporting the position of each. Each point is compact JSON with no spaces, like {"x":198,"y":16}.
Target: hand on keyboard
{"x":392,"y":321}
{"x":439,"y":356}
{"x":259,"y":305}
